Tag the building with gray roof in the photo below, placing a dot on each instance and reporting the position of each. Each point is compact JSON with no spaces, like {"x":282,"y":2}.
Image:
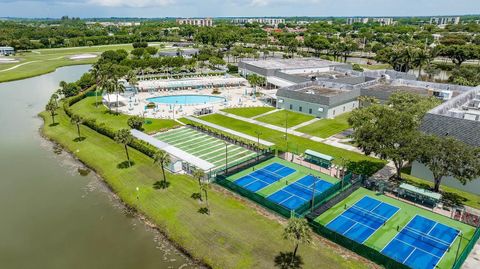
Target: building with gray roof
{"x":460,"y":118}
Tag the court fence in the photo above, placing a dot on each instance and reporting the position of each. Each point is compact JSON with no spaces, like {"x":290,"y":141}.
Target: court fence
{"x":466,"y":251}
{"x":221,"y":179}
{"x":361,"y":249}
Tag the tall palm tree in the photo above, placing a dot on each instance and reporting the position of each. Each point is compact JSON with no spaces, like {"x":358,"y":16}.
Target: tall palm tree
{"x":77,"y":120}
{"x":124,"y":137}
{"x":162,"y":159}
{"x":204,"y":186}
{"x":198,"y":174}
{"x":132,"y":79}
{"x":298,"y":232}
{"x":51,"y":107}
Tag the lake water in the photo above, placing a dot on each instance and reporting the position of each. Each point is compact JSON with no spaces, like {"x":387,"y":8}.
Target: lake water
{"x":51,"y":217}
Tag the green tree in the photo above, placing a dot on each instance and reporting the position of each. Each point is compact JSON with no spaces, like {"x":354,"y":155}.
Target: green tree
{"x":151,"y":50}
{"x":298,"y":232}
{"x":199,"y":175}
{"x":205,"y":186}
{"x":447,"y":156}
{"x":52,"y":107}
{"x":162,"y":159}
{"x":460,"y":53}
{"x":390,"y":130}
{"x":124,"y":137}
{"x":135,"y":122}
{"x":77,"y":120}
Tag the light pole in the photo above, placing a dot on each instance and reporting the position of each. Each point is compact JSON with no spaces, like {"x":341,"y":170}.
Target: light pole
{"x":258,"y":142}
{"x":226,"y":158}
{"x":286,"y":131}
{"x":313,"y":191}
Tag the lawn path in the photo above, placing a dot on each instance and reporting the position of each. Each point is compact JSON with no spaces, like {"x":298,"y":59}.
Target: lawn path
{"x":329,"y":141}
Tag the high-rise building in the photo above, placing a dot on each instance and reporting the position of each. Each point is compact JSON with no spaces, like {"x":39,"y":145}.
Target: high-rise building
{"x":267,"y":21}
{"x":195,"y":21}
{"x":445,"y":20}
{"x":382,"y":21}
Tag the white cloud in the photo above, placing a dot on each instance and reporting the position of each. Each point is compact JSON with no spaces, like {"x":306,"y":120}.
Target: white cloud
{"x":132,"y":3}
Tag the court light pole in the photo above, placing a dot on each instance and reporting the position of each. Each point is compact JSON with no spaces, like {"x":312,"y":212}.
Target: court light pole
{"x":313,"y":192}
{"x":258,"y":133}
{"x":226,"y":157}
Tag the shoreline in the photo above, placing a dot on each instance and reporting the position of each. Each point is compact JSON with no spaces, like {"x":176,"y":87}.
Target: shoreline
{"x":130,"y":209}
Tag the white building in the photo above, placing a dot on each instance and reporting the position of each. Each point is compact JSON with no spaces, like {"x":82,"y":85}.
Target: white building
{"x":267,"y":21}
{"x":196,"y":21}
{"x":444,"y":20}
{"x":357,"y":20}
{"x":382,"y":21}
{"x":7,"y":51}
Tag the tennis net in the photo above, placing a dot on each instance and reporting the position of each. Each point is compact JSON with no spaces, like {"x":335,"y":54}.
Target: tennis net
{"x":364,"y":212}
{"x":426,"y":238}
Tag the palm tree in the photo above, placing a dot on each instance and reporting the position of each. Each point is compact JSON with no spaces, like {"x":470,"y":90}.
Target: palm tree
{"x":119,"y":87}
{"x":77,"y":120}
{"x":198,"y":174}
{"x":63,"y":85}
{"x":124,"y":137}
{"x":132,"y":79}
{"x":204,"y":186}
{"x":101,"y":79}
{"x":52,"y":107}
{"x":297,"y":231}
{"x":162,"y":159}
{"x":55,"y":97}
{"x":422,"y":57}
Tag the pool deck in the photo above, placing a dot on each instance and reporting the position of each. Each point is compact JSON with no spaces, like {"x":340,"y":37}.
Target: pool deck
{"x":234,"y":96}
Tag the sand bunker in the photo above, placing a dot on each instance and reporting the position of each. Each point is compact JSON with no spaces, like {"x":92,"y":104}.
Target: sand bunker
{"x":83,"y":56}
{"x":8,"y":60}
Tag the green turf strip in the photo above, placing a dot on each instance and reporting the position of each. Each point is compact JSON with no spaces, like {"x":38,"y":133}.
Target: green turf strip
{"x":327,"y":127}
{"x":387,"y":232}
{"x":214,"y":156}
{"x":172,"y":133}
{"x":183,"y":137}
{"x":213,"y":151}
{"x":197,"y":147}
{"x":211,"y":147}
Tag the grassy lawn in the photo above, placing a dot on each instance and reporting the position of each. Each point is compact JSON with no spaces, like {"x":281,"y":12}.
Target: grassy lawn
{"x":87,"y":109}
{"x":233,"y":236}
{"x":449,"y":193}
{"x":248,"y":112}
{"x":385,"y":233}
{"x":43,"y":61}
{"x":295,"y":143}
{"x":278,"y":118}
{"x":327,"y":127}
{"x":375,"y":66}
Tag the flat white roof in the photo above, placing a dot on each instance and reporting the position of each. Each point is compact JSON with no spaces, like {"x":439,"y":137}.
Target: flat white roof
{"x":221,"y":128}
{"x":279,"y":82}
{"x":284,"y":64}
{"x":174,"y":151}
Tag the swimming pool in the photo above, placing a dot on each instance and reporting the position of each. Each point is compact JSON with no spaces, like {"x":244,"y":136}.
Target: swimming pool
{"x":186,"y":99}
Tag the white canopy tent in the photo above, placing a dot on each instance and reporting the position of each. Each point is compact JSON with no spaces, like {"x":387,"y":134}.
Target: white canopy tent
{"x":112,"y":99}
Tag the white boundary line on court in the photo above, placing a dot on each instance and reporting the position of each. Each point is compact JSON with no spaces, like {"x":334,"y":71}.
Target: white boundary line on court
{"x":263,"y":168}
{"x":381,"y":202}
{"x":436,"y":222}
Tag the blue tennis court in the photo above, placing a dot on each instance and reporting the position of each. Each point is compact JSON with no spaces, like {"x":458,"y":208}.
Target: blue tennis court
{"x":263,"y":177}
{"x":422,"y":243}
{"x":362,"y":219}
{"x":299,"y":192}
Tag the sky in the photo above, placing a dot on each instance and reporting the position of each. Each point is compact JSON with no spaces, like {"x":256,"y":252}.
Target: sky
{"x":230,"y":8}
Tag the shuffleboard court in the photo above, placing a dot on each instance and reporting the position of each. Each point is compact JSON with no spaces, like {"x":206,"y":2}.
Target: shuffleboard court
{"x":206,"y":147}
{"x":299,"y":192}
{"x":422,"y":243}
{"x":359,"y":221}
{"x":263,"y":177}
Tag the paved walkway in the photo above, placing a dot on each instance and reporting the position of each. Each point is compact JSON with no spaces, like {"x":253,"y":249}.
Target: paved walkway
{"x":304,"y":124}
{"x":473,"y":260}
{"x":266,"y":113}
{"x":332,"y":141}
{"x":230,"y":131}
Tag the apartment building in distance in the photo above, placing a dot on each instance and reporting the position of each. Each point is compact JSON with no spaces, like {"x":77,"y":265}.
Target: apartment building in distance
{"x":382,"y":21}
{"x":444,"y":20}
{"x":266,"y":21}
{"x":195,"y":21}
